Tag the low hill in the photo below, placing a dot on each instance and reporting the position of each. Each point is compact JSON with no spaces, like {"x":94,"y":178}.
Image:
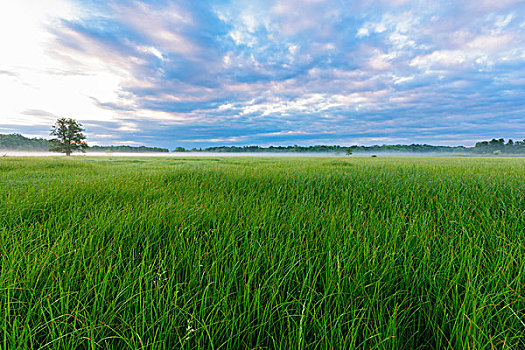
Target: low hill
{"x":17,"y":142}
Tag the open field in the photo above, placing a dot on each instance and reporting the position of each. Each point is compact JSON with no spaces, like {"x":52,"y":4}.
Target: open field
{"x":262,"y":253}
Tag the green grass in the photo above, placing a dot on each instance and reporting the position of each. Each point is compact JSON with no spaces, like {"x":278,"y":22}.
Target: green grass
{"x":264,"y":253}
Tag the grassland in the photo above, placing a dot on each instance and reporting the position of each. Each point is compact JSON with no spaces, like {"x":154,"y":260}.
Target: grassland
{"x":265,"y":253}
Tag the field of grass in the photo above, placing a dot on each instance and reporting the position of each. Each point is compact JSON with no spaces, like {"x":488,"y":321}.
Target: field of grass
{"x":264,"y":253}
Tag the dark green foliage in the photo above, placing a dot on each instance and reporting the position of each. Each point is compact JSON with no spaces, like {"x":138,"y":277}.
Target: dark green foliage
{"x":267,"y":253}
{"x":295,"y":148}
{"x":68,"y":137}
{"x":20,"y":143}
{"x":414,"y":148}
{"x":17,"y":142}
{"x":498,"y":146}
{"x":127,"y":149}
{"x":481,"y":147}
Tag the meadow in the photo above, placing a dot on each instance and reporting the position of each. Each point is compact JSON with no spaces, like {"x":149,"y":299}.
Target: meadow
{"x":262,"y":253}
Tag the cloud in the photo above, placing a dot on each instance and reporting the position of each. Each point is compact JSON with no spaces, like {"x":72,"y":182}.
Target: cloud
{"x":200,"y":73}
{"x":38,"y":113}
{"x":5,"y":72}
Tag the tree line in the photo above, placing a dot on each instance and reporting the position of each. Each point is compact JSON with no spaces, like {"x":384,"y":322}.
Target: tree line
{"x":127,"y":149}
{"x":277,"y":149}
{"x":497,"y":146}
{"x":483,"y":147}
{"x":17,"y":142}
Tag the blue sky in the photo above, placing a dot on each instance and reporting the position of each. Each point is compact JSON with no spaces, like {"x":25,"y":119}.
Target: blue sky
{"x":201,"y":73}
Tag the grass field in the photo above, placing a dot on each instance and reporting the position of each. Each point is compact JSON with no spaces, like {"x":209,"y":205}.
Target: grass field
{"x":265,"y":253}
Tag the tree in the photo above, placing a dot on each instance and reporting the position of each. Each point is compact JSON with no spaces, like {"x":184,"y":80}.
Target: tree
{"x":349,"y":151}
{"x":18,"y":142}
{"x":69,"y":137}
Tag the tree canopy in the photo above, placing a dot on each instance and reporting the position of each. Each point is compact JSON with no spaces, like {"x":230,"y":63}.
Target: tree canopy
{"x":498,"y":146}
{"x":68,"y":137}
{"x":17,"y":142}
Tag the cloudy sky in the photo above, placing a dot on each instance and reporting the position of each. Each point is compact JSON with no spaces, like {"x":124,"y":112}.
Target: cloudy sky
{"x":281,"y":72}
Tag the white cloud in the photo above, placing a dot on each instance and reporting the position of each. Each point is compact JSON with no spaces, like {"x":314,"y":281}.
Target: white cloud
{"x":401,"y":41}
{"x":381,"y":61}
{"x":490,"y":43}
{"x":483,"y":50}
{"x":443,"y":58}
{"x":292,"y":49}
{"x":152,"y":51}
{"x":492,"y":5}
{"x":314,"y":103}
{"x":243,"y":37}
{"x":503,"y":21}
{"x":160,"y":26}
{"x":219,"y":139}
{"x":49,"y":78}
{"x":401,"y":80}
{"x":23,"y":31}
{"x":363,"y":32}
{"x":380,"y":28}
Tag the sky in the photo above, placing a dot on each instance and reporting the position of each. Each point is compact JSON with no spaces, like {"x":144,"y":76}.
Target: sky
{"x":271,"y":72}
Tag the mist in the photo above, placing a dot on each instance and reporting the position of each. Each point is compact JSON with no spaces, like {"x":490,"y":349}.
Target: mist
{"x":8,"y":153}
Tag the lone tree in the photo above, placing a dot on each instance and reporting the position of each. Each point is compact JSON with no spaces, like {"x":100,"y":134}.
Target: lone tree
{"x":68,"y":137}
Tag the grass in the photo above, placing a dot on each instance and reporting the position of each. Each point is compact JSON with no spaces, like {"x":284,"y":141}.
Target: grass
{"x":265,"y":253}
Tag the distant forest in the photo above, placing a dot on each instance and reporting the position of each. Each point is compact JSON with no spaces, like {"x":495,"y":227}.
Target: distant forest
{"x":340,"y":149}
{"x":127,"y":149}
{"x":495,"y":146}
{"x":17,"y":142}
{"x":499,"y":146}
